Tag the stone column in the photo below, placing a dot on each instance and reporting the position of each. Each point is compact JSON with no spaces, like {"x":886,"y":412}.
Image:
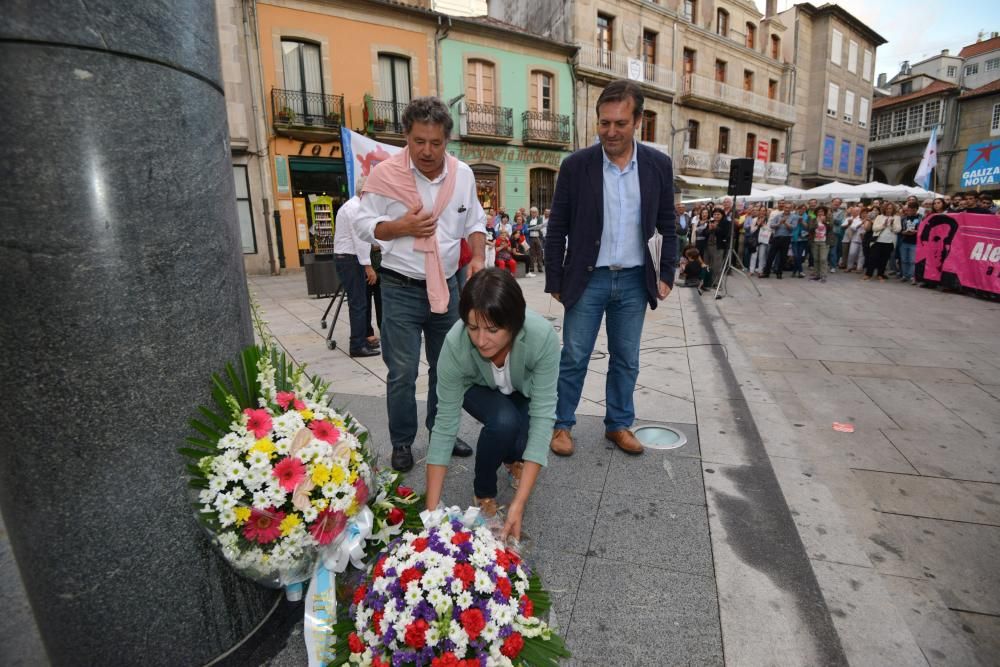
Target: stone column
{"x":123,"y":288}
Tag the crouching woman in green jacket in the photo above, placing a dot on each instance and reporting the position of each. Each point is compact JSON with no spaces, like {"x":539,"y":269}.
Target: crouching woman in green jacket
{"x":501,"y":363}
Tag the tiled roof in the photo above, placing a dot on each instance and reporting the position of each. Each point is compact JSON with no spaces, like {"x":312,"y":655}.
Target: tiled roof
{"x":978,"y":48}
{"x":991,"y":87}
{"x":933,"y":89}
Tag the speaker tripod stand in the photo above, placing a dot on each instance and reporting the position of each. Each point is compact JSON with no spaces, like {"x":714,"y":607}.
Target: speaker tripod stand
{"x":732,"y":262}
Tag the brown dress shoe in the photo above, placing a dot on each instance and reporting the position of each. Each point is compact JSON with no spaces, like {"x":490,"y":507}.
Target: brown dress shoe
{"x":625,"y":440}
{"x":562,"y":442}
{"x":487,"y":506}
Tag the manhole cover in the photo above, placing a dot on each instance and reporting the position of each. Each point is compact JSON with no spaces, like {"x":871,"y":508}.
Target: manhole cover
{"x":660,"y":437}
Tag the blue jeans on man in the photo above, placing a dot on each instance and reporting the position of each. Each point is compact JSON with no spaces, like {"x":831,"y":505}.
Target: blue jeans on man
{"x":907,"y":256}
{"x":407,"y":314}
{"x":620,"y":298}
{"x":352,"y":277}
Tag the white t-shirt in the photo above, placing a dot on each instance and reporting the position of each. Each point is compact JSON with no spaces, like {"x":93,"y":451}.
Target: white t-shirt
{"x":345,"y":236}
{"x":502,"y":377}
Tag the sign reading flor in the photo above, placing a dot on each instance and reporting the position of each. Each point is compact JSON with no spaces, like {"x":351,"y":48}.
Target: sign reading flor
{"x":982,"y":164}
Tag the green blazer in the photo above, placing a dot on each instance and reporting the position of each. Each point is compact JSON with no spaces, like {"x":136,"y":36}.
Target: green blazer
{"x":534,"y":372}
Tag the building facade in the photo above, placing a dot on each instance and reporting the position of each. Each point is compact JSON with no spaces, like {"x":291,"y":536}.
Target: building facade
{"x":834,"y":58}
{"x":512,"y":99}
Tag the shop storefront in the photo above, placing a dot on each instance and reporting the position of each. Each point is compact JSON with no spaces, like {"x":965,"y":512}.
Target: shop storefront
{"x":511,"y":177}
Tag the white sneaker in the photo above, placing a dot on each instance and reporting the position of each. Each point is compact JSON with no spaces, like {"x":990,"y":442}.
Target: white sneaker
{"x":530,"y":275}
{"x":833,"y":270}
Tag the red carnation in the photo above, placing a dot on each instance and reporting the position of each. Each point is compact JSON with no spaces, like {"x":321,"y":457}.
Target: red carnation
{"x":355,"y":644}
{"x":447,"y":659}
{"x":420,"y":544}
{"x":359,"y":594}
{"x":464,"y":572}
{"x":410,"y":574}
{"x":377,"y":662}
{"x":512,"y":645}
{"x":377,"y":622}
{"x":503,"y":585}
{"x":416,"y":634}
{"x":404,"y":491}
{"x":473,"y":622}
{"x":396,"y":517}
{"x":527,"y":607}
{"x":379,"y":567}
{"x":515,"y":560}
{"x":502,"y":559}
{"x":460,"y":538}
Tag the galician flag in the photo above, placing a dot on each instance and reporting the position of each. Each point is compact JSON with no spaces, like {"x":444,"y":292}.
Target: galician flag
{"x":929,"y":162}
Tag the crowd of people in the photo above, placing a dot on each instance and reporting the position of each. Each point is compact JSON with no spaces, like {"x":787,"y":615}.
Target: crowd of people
{"x":877,"y":239}
{"x":508,"y":242}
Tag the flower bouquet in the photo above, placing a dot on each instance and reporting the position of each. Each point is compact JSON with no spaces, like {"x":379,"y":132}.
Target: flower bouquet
{"x":281,"y":475}
{"x":449,"y":595}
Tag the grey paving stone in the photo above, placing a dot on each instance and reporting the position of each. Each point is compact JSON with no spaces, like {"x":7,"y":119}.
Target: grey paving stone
{"x":628,"y":614}
{"x":774,"y":350}
{"x":652,"y":405}
{"x":871,"y":630}
{"x":960,"y":558}
{"x":985,"y":633}
{"x":661,"y":533}
{"x":832,"y":398}
{"x":954,"y":455}
{"x":897,"y":372}
{"x":910,"y":407}
{"x":810,"y":350}
{"x":933,"y":358}
{"x":937,"y":629}
{"x":673,"y":475}
{"x":933,"y":497}
{"x":984,"y":374}
{"x":560,"y":572}
{"x":587,"y":468}
{"x":560,"y":518}
{"x":974,"y":406}
{"x":785,"y":363}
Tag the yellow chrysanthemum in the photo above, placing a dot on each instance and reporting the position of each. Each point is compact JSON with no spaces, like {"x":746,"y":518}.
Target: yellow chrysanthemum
{"x":307,"y":414}
{"x":339,"y":423}
{"x":337,"y":474}
{"x":321,"y":503}
{"x":353,"y":477}
{"x":352,"y":509}
{"x":264,"y":445}
{"x":320,"y":474}
{"x":289,"y":523}
{"x":242,"y":514}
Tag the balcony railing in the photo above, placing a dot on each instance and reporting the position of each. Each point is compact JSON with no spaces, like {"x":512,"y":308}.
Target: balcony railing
{"x":721,"y":163}
{"x":298,"y":109}
{"x":759,"y":169}
{"x":695,"y":160}
{"x":776,"y":172}
{"x":736,"y":99}
{"x":543,"y":127}
{"x":617,"y":66}
{"x":384,"y":116}
{"x":486,"y":120}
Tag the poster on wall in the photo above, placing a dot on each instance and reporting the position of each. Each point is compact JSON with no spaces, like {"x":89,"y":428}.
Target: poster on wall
{"x":845,"y":156}
{"x":859,"y":160}
{"x":982,"y":165}
{"x":762,"y":150}
{"x":960,"y":250}
{"x":281,"y":174}
{"x":829,"y":147}
{"x":361,"y":154}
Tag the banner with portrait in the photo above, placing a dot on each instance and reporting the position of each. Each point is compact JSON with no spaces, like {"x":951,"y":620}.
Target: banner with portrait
{"x":361,"y":154}
{"x":960,"y":250}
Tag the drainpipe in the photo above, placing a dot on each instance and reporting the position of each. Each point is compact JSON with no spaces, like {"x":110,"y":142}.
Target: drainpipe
{"x":260,"y":133}
{"x":792,"y":86}
{"x":440,"y":33}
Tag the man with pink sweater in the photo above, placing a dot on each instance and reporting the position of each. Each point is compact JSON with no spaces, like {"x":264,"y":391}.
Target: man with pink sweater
{"x":418,"y":206}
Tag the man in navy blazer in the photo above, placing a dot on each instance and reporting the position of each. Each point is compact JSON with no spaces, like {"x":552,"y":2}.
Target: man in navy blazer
{"x":610,"y":198}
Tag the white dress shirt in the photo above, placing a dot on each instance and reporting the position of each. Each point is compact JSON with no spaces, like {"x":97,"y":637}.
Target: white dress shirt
{"x":345,"y":237}
{"x":461,"y":217}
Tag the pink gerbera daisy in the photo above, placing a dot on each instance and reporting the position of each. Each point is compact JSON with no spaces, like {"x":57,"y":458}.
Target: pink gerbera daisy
{"x":263,"y":526}
{"x":328,"y":525}
{"x":325,"y":431}
{"x":258,"y":422}
{"x":289,"y":471}
{"x":287,"y":398}
{"x":360,"y":492}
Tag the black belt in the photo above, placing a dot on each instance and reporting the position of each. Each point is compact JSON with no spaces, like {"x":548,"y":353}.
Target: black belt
{"x":345,"y":255}
{"x":406,"y":280}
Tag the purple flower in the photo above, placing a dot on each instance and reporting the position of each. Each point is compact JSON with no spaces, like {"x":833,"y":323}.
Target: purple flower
{"x":425,"y":611}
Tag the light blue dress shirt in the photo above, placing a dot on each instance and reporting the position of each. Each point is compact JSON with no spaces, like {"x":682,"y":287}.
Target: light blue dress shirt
{"x":622,"y":244}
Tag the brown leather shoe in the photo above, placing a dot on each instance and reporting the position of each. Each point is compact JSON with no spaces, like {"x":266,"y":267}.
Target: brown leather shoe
{"x":562,"y":442}
{"x":487,"y":506}
{"x":625,"y":440}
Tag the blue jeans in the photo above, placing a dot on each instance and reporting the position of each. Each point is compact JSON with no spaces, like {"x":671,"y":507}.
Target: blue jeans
{"x":834,"y":253}
{"x":406,"y":314}
{"x":621,"y":298}
{"x":504,"y":434}
{"x":798,"y":251}
{"x":352,"y":277}
{"x":907,"y":253}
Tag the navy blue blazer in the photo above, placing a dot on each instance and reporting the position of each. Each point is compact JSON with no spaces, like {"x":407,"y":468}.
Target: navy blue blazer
{"x":577,"y":215}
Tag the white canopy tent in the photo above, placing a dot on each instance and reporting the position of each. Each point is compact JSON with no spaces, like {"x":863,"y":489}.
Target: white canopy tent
{"x":775,"y":194}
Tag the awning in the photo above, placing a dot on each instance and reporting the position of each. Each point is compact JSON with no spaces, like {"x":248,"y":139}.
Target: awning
{"x":703,"y":182}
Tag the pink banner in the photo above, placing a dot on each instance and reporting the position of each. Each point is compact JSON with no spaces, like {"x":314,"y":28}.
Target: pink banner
{"x":960,"y":249}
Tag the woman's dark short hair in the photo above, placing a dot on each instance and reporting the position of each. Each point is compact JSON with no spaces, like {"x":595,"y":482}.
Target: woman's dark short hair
{"x":495,"y":294}
{"x":825,"y":210}
{"x":427,"y":110}
{"x":936,"y":221}
{"x":619,"y":91}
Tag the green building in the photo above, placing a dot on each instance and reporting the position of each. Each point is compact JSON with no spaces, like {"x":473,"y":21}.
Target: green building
{"x":512,"y":97}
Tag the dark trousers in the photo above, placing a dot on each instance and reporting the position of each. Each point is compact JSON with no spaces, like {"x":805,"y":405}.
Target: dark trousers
{"x":535,"y":262}
{"x":777,"y":250}
{"x":878,"y":257}
{"x":374,"y":297}
{"x":504,"y":434}
{"x":352,"y":277}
